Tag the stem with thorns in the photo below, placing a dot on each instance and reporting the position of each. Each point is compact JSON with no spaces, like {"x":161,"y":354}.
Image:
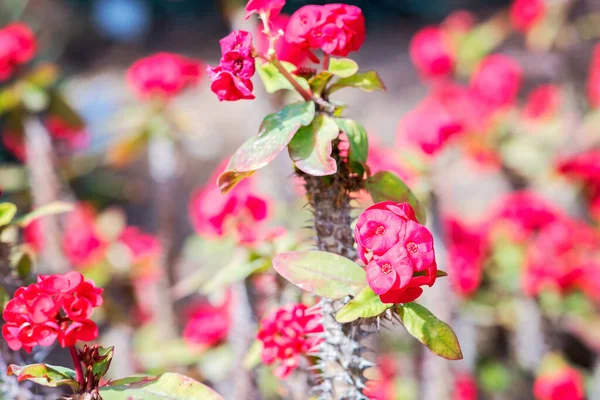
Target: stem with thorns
{"x":340,"y":353}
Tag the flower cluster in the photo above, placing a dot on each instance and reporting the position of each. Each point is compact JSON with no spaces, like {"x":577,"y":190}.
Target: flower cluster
{"x":397,"y":250}
{"x":431,"y":53}
{"x":163,"y":75}
{"x":231,"y":78}
{"x":56,"y":307}
{"x":242,"y":212}
{"x":525,"y":14}
{"x":286,"y":334}
{"x":17,"y":47}
{"x":336,"y":29}
{"x":82,"y":243}
{"x":564,"y":383}
{"x":269,"y":8}
{"x":284,"y":50}
{"x":207,"y":325}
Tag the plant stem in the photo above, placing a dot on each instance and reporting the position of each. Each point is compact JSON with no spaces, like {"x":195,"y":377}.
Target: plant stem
{"x":306,"y":95}
{"x":77,"y":366}
{"x":326,"y":62}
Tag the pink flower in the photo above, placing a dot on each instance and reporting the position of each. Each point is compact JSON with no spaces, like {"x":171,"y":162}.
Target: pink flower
{"x":207,"y":325}
{"x":231,"y":78}
{"x":526,"y":211}
{"x":287,"y":334}
{"x":542,"y":103}
{"x":593,"y":83}
{"x":336,"y":29}
{"x":56,"y":307}
{"x":465,"y":387}
{"x":384,"y":388}
{"x":524,"y":14}
{"x":81,"y":244}
{"x":497,"y":81}
{"x":467,"y":248}
{"x":164,"y":75}
{"x":431,"y":54}
{"x":34,"y":236}
{"x":564,"y":384}
{"x":76,"y":137}
{"x":272,"y":8}
{"x":459,"y":22}
{"x":583,"y":166}
{"x":285,"y":51}
{"x":17,"y":47}
{"x":142,"y":245}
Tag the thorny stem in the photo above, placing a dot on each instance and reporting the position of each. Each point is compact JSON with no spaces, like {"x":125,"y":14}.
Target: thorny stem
{"x":77,"y":366}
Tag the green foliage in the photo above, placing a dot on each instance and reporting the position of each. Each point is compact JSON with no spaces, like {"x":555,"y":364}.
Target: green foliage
{"x":343,"y":67}
{"x":45,"y":375}
{"x":432,"y":332}
{"x":7,"y":213}
{"x":274,"y":80}
{"x":357,"y":136}
{"x":252,"y":358}
{"x":322,"y":273}
{"x":101,"y":367}
{"x":365,"y":305}
{"x":319,"y":82}
{"x":56,"y":207}
{"x":232,"y":273}
{"x":368,"y":81}
{"x":494,"y":377}
{"x":311,"y":147}
{"x":169,"y":386}
{"x":276,"y":131}
{"x":387,"y":186}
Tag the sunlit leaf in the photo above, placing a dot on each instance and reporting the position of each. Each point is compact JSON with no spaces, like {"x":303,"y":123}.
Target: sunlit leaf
{"x":322,"y":273}
{"x":274,"y":80}
{"x":319,"y":82}
{"x":7,"y":213}
{"x":387,"y":186}
{"x":57,"y":207}
{"x":365,"y":305}
{"x":169,"y":386}
{"x":45,"y":375}
{"x":343,"y":67}
{"x":368,"y":81}
{"x":357,"y":136}
{"x":311,"y":147}
{"x":276,"y":131}
{"x":252,"y":358}
{"x":432,"y":332}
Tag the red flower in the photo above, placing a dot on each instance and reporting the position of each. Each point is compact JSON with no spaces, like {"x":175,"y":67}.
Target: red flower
{"x":526,"y":211}
{"x":207,"y":325}
{"x":593,"y":83}
{"x":336,"y":29}
{"x":543,"y":102}
{"x":467,"y":247}
{"x":431,"y":54}
{"x":82,"y":245}
{"x":465,"y":387}
{"x":163,"y":75}
{"x":17,"y":47}
{"x":399,"y":251}
{"x":563,"y":384}
{"x":497,"y":81}
{"x":56,"y":307}
{"x":272,"y":8}
{"x":34,"y":236}
{"x":76,"y":137}
{"x":285,"y":51}
{"x":524,"y":14}
{"x":14,"y":142}
{"x":143,"y":246}
{"x":288,"y":333}
{"x":231,"y":78}
{"x":584,"y":166}
{"x":384,"y":388}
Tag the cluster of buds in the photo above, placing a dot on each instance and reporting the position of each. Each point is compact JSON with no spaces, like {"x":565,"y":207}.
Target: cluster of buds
{"x":56,"y":307}
{"x":288,"y":333}
{"x":397,"y":250}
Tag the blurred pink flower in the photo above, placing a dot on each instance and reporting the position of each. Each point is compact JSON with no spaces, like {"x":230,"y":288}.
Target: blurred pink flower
{"x":76,"y":137}
{"x":496,"y":82}
{"x":33,"y":235}
{"x":431,"y":53}
{"x":465,"y":387}
{"x":81,"y":243}
{"x":270,"y":7}
{"x":17,"y":46}
{"x":542,"y":103}
{"x":593,"y":83}
{"x":564,"y":384}
{"x":524,"y":14}
{"x":14,"y":142}
{"x":207,"y":325}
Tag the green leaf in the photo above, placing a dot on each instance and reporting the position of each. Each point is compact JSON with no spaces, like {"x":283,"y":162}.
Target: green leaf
{"x":101,"y":367}
{"x":319,"y":82}
{"x":7,"y":213}
{"x":45,"y":375}
{"x":233,"y":272}
{"x":276,"y":131}
{"x":357,"y":136}
{"x":252,"y":358}
{"x":322,"y":273}
{"x":343,"y":67}
{"x":365,"y":305}
{"x":56,"y":207}
{"x":387,"y":186}
{"x":34,"y":99}
{"x":169,"y":386}
{"x":274,"y":80}
{"x":23,"y":262}
{"x":427,"y":329}
{"x":60,"y":107}
{"x":128,"y":149}
{"x":310,"y":149}
{"x":368,"y":81}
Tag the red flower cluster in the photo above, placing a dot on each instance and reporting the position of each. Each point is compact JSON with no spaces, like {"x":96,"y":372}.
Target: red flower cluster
{"x":207,"y":325}
{"x":242,"y":211}
{"x":524,"y":14}
{"x":431,"y":53}
{"x":163,"y":75}
{"x":82,"y":244}
{"x":285,"y":51}
{"x":336,"y":29}
{"x":398,"y":251}
{"x":565,"y":383}
{"x":17,"y":47}
{"x":56,"y":307}
{"x":286,"y":334}
{"x":271,"y":8}
{"x":231,"y":78}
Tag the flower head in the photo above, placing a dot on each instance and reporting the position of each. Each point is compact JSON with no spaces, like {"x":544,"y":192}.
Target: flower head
{"x":81,"y":242}
{"x":56,"y":307}
{"x":207,"y":325}
{"x":431,"y":54}
{"x":524,"y":14}
{"x":565,"y":383}
{"x":287,"y":334}
{"x":17,"y":47}
{"x":497,"y":81}
{"x":271,"y":8}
